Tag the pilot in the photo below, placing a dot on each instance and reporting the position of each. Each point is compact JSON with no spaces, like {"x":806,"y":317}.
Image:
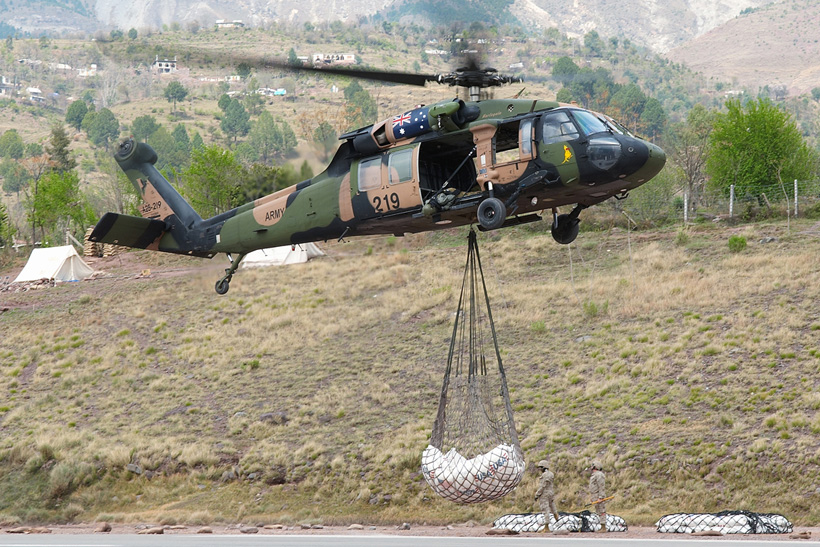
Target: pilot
{"x":545,"y":495}
{"x":597,"y":491}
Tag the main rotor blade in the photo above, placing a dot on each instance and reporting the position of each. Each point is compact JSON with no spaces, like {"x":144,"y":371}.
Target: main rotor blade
{"x":406,"y":78}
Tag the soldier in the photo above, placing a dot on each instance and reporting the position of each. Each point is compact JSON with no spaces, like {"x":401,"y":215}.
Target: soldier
{"x":545,"y":495}
{"x":597,"y":491}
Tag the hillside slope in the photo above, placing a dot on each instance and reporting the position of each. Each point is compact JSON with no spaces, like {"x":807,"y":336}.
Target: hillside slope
{"x":307,"y":393}
{"x":777,"y":45}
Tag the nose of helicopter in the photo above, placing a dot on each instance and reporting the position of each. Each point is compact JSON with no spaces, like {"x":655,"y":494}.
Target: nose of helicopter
{"x":654,"y":162}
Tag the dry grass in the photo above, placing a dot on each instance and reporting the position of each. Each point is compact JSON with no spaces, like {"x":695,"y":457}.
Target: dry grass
{"x":688,"y":370}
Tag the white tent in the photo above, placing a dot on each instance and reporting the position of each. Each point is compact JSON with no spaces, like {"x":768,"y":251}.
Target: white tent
{"x":58,"y":263}
{"x":278,"y":256}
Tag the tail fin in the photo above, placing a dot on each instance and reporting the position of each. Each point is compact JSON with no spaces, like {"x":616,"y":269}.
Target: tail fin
{"x":168,"y":222}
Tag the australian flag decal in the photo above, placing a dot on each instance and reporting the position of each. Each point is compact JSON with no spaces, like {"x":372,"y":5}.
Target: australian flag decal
{"x":410,"y":124}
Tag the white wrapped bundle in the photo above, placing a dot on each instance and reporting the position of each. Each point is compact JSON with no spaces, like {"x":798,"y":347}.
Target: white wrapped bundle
{"x":485,"y":477}
{"x":529,"y":522}
{"x":725,"y":523}
{"x":535,"y":522}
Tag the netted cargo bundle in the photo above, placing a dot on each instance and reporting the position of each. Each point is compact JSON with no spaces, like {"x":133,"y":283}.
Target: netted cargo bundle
{"x":474,"y":453}
{"x":725,"y":522}
{"x":571,"y":522}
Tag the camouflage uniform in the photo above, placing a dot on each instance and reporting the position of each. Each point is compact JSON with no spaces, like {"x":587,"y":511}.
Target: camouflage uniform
{"x":546,"y":491}
{"x":597,"y":491}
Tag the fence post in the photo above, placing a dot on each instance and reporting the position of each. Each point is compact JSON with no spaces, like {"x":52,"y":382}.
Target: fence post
{"x":685,"y":206}
{"x":731,"y":200}
{"x":795,"y":198}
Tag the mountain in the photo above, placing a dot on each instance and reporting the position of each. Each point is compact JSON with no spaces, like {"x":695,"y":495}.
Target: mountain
{"x":659,"y":24}
{"x":777,"y":46}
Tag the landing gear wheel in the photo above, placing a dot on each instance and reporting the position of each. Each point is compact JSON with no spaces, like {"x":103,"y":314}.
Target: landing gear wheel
{"x":491,"y":213}
{"x":222,"y":286}
{"x":565,"y":229}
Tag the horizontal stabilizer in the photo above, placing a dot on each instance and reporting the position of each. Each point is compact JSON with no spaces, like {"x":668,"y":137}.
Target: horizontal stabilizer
{"x":129,"y":231}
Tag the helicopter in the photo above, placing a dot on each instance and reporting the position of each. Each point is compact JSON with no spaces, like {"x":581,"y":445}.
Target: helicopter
{"x":494,"y":162}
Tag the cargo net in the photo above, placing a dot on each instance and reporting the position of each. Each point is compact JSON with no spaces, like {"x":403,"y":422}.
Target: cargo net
{"x":725,"y":522}
{"x":584,"y":521}
{"x":474,"y":454}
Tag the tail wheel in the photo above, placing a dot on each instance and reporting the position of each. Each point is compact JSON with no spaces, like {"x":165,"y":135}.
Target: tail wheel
{"x":222,"y":286}
{"x":491,"y":213}
{"x":565,"y":229}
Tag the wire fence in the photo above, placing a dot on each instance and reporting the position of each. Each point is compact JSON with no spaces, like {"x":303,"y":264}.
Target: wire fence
{"x":663,"y":202}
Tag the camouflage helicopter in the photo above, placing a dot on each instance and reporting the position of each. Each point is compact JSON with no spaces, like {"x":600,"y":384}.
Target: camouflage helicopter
{"x":494,"y":162}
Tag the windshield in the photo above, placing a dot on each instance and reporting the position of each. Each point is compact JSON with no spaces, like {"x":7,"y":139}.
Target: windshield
{"x":590,"y":124}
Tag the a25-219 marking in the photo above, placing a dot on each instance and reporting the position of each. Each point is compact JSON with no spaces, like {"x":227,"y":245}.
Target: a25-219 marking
{"x":388,"y":202}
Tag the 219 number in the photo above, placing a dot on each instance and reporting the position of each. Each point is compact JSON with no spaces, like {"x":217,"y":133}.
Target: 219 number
{"x":388,"y":202}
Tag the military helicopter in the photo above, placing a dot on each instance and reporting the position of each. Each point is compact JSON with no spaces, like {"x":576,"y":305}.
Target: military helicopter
{"x":494,"y":162}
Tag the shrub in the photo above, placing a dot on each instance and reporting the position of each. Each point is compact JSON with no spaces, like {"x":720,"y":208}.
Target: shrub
{"x":737,"y":243}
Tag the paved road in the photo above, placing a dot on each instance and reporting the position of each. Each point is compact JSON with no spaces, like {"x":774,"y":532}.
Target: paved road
{"x":97,"y":540}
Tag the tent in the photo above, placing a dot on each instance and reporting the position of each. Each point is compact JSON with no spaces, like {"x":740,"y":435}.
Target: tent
{"x":278,"y":256}
{"x":58,"y":263}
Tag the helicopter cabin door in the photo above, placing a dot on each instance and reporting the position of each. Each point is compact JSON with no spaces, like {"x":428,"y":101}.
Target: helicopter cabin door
{"x":386,"y":184}
{"x":504,"y":151}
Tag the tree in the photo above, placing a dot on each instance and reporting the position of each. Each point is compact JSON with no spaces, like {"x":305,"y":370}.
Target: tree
{"x":143,"y":126}
{"x":756,"y":145}
{"x":267,"y":138}
{"x":564,"y":70}
{"x":75,"y":114}
{"x":325,"y":137}
{"x":103,"y":128}
{"x":361,"y":108}
{"x":687,"y":145}
{"x":293,"y":59}
{"x":653,"y":117}
{"x":212,"y":181}
{"x":15,"y":176}
{"x":11,"y":145}
{"x":132,"y":34}
{"x":57,"y":203}
{"x":236,"y":122}
{"x":6,"y":229}
{"x":174,"y":92}
{"x":58,"y":151}
{"x":243,"y":70}
{"x":223,"y":102}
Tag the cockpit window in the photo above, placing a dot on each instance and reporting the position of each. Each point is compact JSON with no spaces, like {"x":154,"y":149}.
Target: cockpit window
{"x":370,"y":174}
{"x":557,"y":127}
{"x":590,"y":124}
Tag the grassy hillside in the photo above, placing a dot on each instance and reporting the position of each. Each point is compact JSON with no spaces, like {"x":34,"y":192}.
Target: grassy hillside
{"x":307,"y":393}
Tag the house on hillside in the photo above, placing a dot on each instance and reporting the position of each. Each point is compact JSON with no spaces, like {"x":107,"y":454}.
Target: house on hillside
{"x":334,"y":58}
{"x":8,"y":88}
{"x":164,"y":66}
{"x":222,"y":23}
{"x":35,"y":95}
{"x":87,"y":72}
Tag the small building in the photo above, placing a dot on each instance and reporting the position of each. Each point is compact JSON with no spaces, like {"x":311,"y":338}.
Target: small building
{"x":8,"y":87}
{"x":35,"y":95}
{"x":164,"y":66}
{"x":222,"y":23}
{"x":87,"y":72}
{"x":334,"y":58}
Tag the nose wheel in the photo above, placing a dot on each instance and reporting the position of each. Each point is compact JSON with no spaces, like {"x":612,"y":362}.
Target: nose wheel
{"x":224,"y":283}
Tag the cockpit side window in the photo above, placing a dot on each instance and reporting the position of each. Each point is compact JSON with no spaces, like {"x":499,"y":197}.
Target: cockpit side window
{"x":590,"y":123}
{"x":557,"y":127}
